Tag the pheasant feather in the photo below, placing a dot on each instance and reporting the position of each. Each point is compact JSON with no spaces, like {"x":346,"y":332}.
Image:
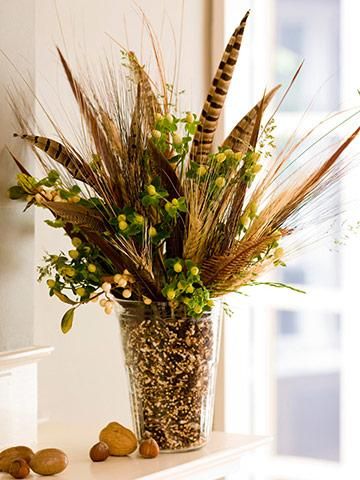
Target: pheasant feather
{"x":239,"y":138}
{"x":215,"y":99}
{"x":60,"y":154}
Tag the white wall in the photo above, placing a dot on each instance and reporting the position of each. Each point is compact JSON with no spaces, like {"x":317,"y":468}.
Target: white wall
{"x":16,"y":230}
{"x":83,"y":380}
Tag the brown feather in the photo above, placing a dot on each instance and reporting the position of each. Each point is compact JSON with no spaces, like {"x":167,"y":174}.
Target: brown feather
{"x":166,"y":172}
{"x":239,"y":138}
{"x":61,"y":155}
{"x":77,"y":215}
{"x":151,"y":103}
{"x":221,"y":268}
{"x":215,"y":99}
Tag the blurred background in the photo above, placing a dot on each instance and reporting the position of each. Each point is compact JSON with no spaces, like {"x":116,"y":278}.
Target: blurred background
{"x":299,"y":352}
{"x":290,"y":361}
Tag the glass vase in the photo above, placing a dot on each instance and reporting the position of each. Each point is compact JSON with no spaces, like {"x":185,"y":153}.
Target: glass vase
{"x":171,"y":362}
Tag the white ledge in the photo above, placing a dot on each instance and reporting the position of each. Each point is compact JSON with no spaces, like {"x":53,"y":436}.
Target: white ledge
{"x":23,"y":356}
{"x":221,"y":456}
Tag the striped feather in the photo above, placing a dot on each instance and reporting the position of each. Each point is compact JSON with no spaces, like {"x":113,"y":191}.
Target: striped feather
{"x":223,"y":267}
{"x":240,"y":136}
{"x":215,"y":99}
{"x":77,"y":215}
{"x":151,"y":103}
{"x":60,"y":154}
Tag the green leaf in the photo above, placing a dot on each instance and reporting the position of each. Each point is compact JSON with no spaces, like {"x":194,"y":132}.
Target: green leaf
{"x":58,"y":223}
{"x":67,"y":320}
{"x":191,"y":128}
{"x":65,"y":194}
{"x":26,"y":182}
{"x":182,"y":204}
{"x":53,"y":176}
{"x":148,"y":200}
{"x":16,"y":192}
{"x":75,"y":189}
{"x":64,"y":298}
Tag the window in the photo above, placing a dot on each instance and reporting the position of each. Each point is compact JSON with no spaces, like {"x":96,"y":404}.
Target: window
{"x":295,"y":355}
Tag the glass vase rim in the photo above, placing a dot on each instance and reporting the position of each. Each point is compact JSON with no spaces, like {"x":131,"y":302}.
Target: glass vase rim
{"x":126,"y":301}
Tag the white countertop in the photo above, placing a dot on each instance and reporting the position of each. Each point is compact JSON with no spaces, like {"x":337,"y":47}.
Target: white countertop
{"x":219,"y":457}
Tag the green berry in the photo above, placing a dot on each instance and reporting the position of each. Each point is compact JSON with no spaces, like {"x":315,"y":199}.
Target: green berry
{"x":151,"y":190}
{"x":74,"y":254}
{"x":139,"y":219}
{"x":178,"y":267}
{"x":201,"y":171}
{"x":123,"y":225}
{"x":171,"y":294}
{"x":189,"y":117}
{"x":76,"y":241}
{"x":245,"y":220}
{"x":220,"y":182}
{"x":252,"y":209}
{"x":81,"y":291}
{"x":156,"y":134}
{"x":220,"y":157}
{"x":69,"y":271}
{"x":177,"y":139}
{"x":194,"y":271}
{"x":152,"y":232}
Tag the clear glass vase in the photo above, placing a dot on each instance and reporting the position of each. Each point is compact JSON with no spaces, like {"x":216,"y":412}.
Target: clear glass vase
{"x":171,"y":362}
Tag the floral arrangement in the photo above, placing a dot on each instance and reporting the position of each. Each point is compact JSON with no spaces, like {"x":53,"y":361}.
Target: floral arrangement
{"x":154,"y":210}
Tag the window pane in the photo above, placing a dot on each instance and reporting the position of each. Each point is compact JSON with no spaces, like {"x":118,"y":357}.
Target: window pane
{"x":309,"y":29}
{"x":308,"y":384}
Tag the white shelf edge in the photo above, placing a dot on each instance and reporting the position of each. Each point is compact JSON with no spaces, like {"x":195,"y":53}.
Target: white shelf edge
{"x":23,"y":356}
{"x":209,"y":463}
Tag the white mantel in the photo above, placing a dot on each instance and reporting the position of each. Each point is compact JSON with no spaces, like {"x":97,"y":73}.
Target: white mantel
{"x":18,"y":395}
{"x":224,"y":454}
{"x":23,"y":356}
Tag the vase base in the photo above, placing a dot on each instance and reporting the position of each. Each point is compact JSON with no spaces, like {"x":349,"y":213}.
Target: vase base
{"x":190,"y":448}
